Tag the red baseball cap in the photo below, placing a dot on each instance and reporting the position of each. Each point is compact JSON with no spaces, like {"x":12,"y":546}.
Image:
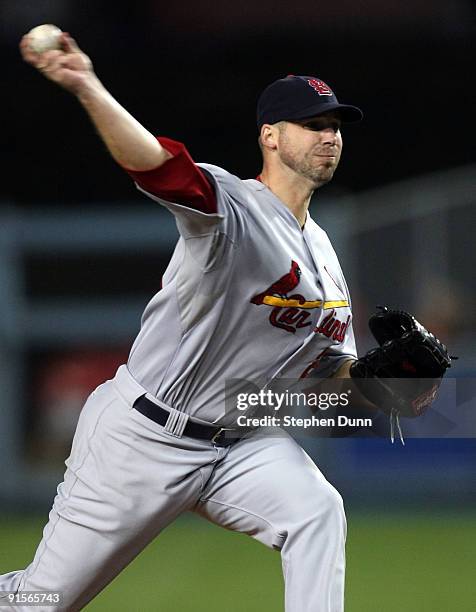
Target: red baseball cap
{"x":301,"y":97}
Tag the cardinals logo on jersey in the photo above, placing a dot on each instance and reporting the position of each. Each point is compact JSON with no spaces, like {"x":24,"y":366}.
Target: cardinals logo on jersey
{"x":281,"y":287}
{"x":291,"y":310}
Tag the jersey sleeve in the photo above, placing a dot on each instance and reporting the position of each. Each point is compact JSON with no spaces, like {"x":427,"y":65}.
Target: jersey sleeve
{"x":178,"y":180}
{"x":203,"y":198}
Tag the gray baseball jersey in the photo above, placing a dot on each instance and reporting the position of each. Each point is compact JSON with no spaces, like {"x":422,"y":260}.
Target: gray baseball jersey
{"x":248,"y":294}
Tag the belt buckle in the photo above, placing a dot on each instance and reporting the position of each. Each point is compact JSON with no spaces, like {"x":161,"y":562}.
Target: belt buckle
{"x":216,"y":436}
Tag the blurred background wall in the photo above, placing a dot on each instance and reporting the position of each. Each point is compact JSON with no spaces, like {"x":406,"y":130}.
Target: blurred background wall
{"x":81,"y":252}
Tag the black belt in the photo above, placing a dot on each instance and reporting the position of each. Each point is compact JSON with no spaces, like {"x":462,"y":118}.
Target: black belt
{"x":194,"y":430}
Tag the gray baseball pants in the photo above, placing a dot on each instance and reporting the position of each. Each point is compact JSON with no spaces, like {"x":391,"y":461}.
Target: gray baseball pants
{"x":127,"y":479}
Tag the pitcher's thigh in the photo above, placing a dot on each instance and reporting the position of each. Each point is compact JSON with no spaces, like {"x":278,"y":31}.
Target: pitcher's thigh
{"x":268,"y":487}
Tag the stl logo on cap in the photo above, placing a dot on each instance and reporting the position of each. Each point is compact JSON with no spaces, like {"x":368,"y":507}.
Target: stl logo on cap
{"x":321,"y":88}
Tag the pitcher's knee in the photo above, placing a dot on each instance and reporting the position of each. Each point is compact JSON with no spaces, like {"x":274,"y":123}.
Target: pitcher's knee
{"x":333,"y":506}
{"x":325,"y":510}
{"x":333,"y":502}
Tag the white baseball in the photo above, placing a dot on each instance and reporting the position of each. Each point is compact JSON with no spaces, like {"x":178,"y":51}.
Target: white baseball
{"x":44,"y":37}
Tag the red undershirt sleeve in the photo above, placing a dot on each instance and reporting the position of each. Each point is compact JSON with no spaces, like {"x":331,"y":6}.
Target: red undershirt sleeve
{"x":178,"y":180}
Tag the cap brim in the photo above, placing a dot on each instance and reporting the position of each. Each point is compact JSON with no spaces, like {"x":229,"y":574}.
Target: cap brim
{"x":348,"y":114}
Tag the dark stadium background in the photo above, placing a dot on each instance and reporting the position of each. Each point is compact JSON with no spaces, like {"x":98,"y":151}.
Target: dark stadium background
{"x":194,"y":70}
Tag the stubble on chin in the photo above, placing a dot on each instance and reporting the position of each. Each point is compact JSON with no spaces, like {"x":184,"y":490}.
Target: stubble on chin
{"x":319,"y":174}
{"x":318,"y":171}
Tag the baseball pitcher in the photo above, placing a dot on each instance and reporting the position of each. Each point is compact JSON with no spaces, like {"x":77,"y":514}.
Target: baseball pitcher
{"x":253,"y":290}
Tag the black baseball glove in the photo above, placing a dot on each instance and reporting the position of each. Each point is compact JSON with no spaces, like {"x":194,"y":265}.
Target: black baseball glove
{"x":403,"y":374}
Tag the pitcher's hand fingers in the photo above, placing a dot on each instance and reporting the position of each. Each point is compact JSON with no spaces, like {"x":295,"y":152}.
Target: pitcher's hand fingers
{"x":69,"y":44}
